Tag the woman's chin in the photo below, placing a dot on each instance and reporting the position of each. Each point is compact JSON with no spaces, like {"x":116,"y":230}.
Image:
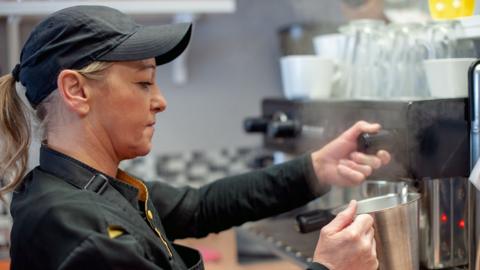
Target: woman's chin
{"x":139,"y":151}
{"x":145,"y":150}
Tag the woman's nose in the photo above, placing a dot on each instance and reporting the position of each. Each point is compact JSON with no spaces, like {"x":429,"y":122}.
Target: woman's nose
{"x":159,"y":103}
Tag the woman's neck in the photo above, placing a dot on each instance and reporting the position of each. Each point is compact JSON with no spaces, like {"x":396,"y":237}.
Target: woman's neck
{"x":86,"y":146}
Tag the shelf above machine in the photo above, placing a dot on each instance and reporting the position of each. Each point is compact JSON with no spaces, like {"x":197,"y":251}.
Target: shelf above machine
{"x":145,"y":7}
{"x":471,"y":27}
{"x":180,"y":10}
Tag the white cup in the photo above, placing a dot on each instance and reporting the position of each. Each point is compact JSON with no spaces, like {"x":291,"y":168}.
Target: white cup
{"x":330,"y":45}
{"x":307,"y":76}
{"x":448,"y":77}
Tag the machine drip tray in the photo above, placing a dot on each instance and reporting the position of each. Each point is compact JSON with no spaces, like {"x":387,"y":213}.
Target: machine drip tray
{"x":280,"y":236}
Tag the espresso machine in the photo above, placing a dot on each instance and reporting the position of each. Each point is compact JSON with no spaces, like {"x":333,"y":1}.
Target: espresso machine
{"x":430,"y":147}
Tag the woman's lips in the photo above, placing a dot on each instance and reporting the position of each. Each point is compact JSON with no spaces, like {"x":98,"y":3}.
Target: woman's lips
{"x":151,"y":127}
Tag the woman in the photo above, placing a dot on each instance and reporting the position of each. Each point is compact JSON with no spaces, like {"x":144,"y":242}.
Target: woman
{"x":89,"y":73}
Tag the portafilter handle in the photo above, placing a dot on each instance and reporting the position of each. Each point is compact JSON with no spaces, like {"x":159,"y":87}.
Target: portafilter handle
{"x":284,"y":129}
{"x":273,"y":128}
{"x":255,"y":124}
{"x":370,"y":143}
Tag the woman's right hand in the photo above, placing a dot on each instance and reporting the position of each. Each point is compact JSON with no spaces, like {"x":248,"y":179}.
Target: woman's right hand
{"x":347,"y":243}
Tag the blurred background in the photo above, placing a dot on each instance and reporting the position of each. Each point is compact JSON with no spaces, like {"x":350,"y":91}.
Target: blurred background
{"x":232,"y":63}
{"x":245,"y":51}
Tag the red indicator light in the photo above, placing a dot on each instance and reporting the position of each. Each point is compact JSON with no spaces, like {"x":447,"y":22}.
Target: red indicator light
{"x":444,"y":218}
{"x":461,"y":224}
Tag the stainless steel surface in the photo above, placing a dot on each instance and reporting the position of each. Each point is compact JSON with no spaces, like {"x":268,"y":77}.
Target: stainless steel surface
{"x":396,"y":230}
{"x":279,"y":233}
{"x":473,"y":193}
{"x":379,"y":203}
{"x":443,"y":230}
{"x":370,"y":188}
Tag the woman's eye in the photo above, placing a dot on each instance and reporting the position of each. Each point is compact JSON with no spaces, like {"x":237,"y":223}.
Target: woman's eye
{"x":145,"y":85}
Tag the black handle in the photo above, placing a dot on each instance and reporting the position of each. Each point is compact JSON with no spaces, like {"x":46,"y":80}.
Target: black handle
{"x":284,"y":129}
{"x":255,"y":124}
{"x":313,"y":220}
{"x":370,"y":143}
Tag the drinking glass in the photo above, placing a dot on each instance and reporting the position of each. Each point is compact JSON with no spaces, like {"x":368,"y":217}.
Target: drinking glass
{"x":360,"y":57}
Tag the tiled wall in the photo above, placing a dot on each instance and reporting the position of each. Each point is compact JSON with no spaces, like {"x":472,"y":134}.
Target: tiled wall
{"x":194,"y":168}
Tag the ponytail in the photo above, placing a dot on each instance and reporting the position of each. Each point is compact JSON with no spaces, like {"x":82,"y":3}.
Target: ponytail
{"x":14,"y":135}
{"x":15,"y":122}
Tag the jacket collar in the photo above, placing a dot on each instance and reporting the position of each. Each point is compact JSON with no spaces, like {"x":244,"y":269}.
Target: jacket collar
{"x":79,"y":174}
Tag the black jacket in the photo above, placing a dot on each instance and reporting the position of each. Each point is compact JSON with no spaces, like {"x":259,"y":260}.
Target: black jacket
{"x":67,"y":215}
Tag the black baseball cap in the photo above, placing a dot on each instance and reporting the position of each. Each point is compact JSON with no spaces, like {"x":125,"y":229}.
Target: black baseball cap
{"x":74,"y":37}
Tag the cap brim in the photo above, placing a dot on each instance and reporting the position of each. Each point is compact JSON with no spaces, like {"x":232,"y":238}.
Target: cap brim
{"x":163,"y":42}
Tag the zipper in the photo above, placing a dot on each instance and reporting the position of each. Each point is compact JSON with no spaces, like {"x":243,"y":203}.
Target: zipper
{"x":135,"y":182}
{"x":164,"y":243}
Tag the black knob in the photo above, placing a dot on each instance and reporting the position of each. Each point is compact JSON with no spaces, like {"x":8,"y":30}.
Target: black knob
{"x":370,"y":143}
{"x":284,"y":129}
{"x":255,"y":124}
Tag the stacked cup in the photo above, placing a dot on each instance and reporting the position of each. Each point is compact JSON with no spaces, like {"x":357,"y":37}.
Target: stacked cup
{"x":307,"y":76}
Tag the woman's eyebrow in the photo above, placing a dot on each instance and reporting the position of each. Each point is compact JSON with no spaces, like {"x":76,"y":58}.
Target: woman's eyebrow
{"x":142,"y":67}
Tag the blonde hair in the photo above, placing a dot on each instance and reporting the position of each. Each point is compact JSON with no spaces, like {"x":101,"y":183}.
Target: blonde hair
{"x":15,"y":124}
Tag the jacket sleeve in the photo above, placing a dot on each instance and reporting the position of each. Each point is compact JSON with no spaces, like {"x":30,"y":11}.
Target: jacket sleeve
{"x":231,"y":201}
{"x":316,"y":266}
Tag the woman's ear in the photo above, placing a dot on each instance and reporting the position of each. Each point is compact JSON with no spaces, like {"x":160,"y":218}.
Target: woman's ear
{"x":72,"y":88}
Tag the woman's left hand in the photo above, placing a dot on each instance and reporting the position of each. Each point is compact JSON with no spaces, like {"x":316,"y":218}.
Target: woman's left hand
{"x":338,"y":163}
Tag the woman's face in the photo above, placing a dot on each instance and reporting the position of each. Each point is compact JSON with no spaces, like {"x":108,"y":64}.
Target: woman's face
{"x":124,"y":108}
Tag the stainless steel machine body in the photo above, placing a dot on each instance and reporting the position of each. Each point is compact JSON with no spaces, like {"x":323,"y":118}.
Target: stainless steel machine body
{"x":429,"y":140}
{"x":473,"y":193}
{"x":443,"y":223}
